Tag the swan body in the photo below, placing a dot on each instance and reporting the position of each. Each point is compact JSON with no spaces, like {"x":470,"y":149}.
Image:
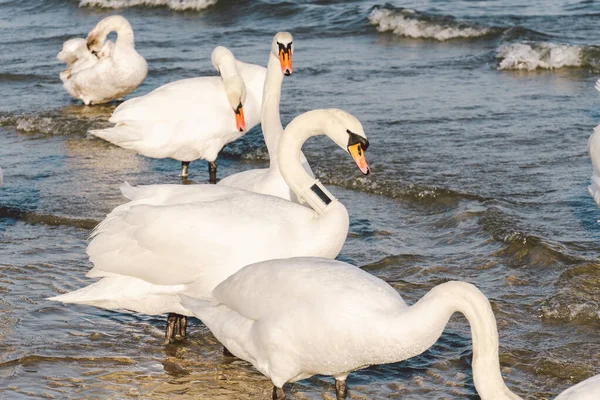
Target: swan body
{"x":586,"y":390}
{"x":179,"y":238}
{"x":269,"y":180}
{"x":297,"y":317}
{"x":107,"y":71}
{"x":594,"y":149}
{"x":192,"y":118}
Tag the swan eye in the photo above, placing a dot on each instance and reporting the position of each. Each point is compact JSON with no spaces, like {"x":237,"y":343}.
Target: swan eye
{"x":357,"y":139}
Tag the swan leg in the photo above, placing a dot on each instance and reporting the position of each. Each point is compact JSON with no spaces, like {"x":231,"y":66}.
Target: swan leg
{"x":182,"y":326}
{"x":212,"y":172}
{"x":184,"y":168}
{"x":278,"y":393}
{"x":176,"y":326}
{"x":341,"y":390}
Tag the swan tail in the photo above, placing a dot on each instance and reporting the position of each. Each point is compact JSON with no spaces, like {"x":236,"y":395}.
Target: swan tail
{"x":121,"y":135}
{"x":94,"y":294}
{"x":199,"y":307}
{"x":597,"y":86}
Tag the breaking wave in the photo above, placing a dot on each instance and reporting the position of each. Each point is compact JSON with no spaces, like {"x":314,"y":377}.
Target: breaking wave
{"x":544,"y":55}
{"x":417,"y":25}
{"x":179,"y":5}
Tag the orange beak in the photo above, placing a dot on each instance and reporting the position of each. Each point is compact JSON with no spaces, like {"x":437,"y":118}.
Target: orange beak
{"x":240,"y":122}
{"x":285,"y":58}
{"x":358,"y":155}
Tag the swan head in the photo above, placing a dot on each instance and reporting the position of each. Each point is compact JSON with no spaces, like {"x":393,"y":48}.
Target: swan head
{"x":283,"y":48}
{"x":224,"y":61}
{"x":347,"y":132}
{"x":71,"y":50}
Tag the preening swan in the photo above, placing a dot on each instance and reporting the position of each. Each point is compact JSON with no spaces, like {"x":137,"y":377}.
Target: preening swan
{"x":192,"y":118}
{"x":174,"y":238}
{"x":107,"y":71}
{"x":594,"y":149}
{"x":297,"y":317}
{"x":269,"y":180}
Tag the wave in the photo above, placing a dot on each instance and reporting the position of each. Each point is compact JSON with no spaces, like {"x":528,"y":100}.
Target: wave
{"x":418,"y":25}
{"x":178,"y":5}
{"x":544,"y":55}
{"x":70,"y":120}
{"x":46,"y":219}
{"x":577,"y":298}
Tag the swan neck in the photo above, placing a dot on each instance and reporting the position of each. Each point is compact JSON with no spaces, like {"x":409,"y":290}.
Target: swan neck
{"x":431,"y":314}
{"x":270,"y":118}
{"x":304,"y":186}
{"x":123,"y":29}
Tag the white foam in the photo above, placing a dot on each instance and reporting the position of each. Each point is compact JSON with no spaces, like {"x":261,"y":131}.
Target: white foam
{"x":178,"y":5}
{"x":404,"y":23}
{"x":520,"y":56}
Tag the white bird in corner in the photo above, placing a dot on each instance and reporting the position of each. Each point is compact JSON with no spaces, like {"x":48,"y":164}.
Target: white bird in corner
{"x":269,"y":180}
{"x":194,"y":118}
{"x":174,"y":238}
{"x":597,"y":85}
{"x":298,"y":317}
{"x":103,"y":71}
{"x":594,"y":149}
{"x":1,"y":177}
{"x":585,"y":390}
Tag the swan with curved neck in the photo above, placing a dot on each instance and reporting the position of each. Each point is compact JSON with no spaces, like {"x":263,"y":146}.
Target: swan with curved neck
{"x":107,"y":71}
{"x":297,"y":317}
{"x":269,"y":180}
{"x":194,"y":118}
{"x":171,"y":238}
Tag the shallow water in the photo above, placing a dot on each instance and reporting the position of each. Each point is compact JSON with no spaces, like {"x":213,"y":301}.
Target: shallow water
{"x":478,"y":136}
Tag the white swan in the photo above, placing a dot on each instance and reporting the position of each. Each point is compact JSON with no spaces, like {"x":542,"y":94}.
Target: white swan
{"x":269,"y":180}
{"x":171,"y":238}
{"x":192,"y":118}
{"x":585,"y":390}
{"x":594,"y":149}
{"x":1,"y":177}
{"x":108,"y":71}
{"x":297,"y":317}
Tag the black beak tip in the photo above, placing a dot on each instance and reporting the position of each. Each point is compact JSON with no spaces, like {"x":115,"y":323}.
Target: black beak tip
{"x":368,"y":171}
{"x":287,"y":72}
{"x":241,"y":130}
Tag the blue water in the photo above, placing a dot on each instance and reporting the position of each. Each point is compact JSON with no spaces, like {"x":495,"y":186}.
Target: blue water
{"x":478,"y":114}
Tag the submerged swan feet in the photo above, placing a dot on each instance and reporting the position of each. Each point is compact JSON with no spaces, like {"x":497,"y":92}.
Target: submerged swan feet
{"x":278,"y":393}
{"x":341,"y":390}
{"x":176,"y":328}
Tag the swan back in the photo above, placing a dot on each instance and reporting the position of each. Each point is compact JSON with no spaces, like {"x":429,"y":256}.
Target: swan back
{"x":586,"y":390}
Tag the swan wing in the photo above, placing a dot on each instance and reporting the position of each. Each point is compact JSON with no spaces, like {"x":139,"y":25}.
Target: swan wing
{"x":275,"y":287}
{"x":203,"y":241}
{"x":194,"y":98}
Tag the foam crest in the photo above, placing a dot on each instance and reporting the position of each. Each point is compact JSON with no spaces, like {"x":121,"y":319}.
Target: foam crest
{"x":521,"y":56}
{"x":179,"y":5}
{"x":409,"y":23}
